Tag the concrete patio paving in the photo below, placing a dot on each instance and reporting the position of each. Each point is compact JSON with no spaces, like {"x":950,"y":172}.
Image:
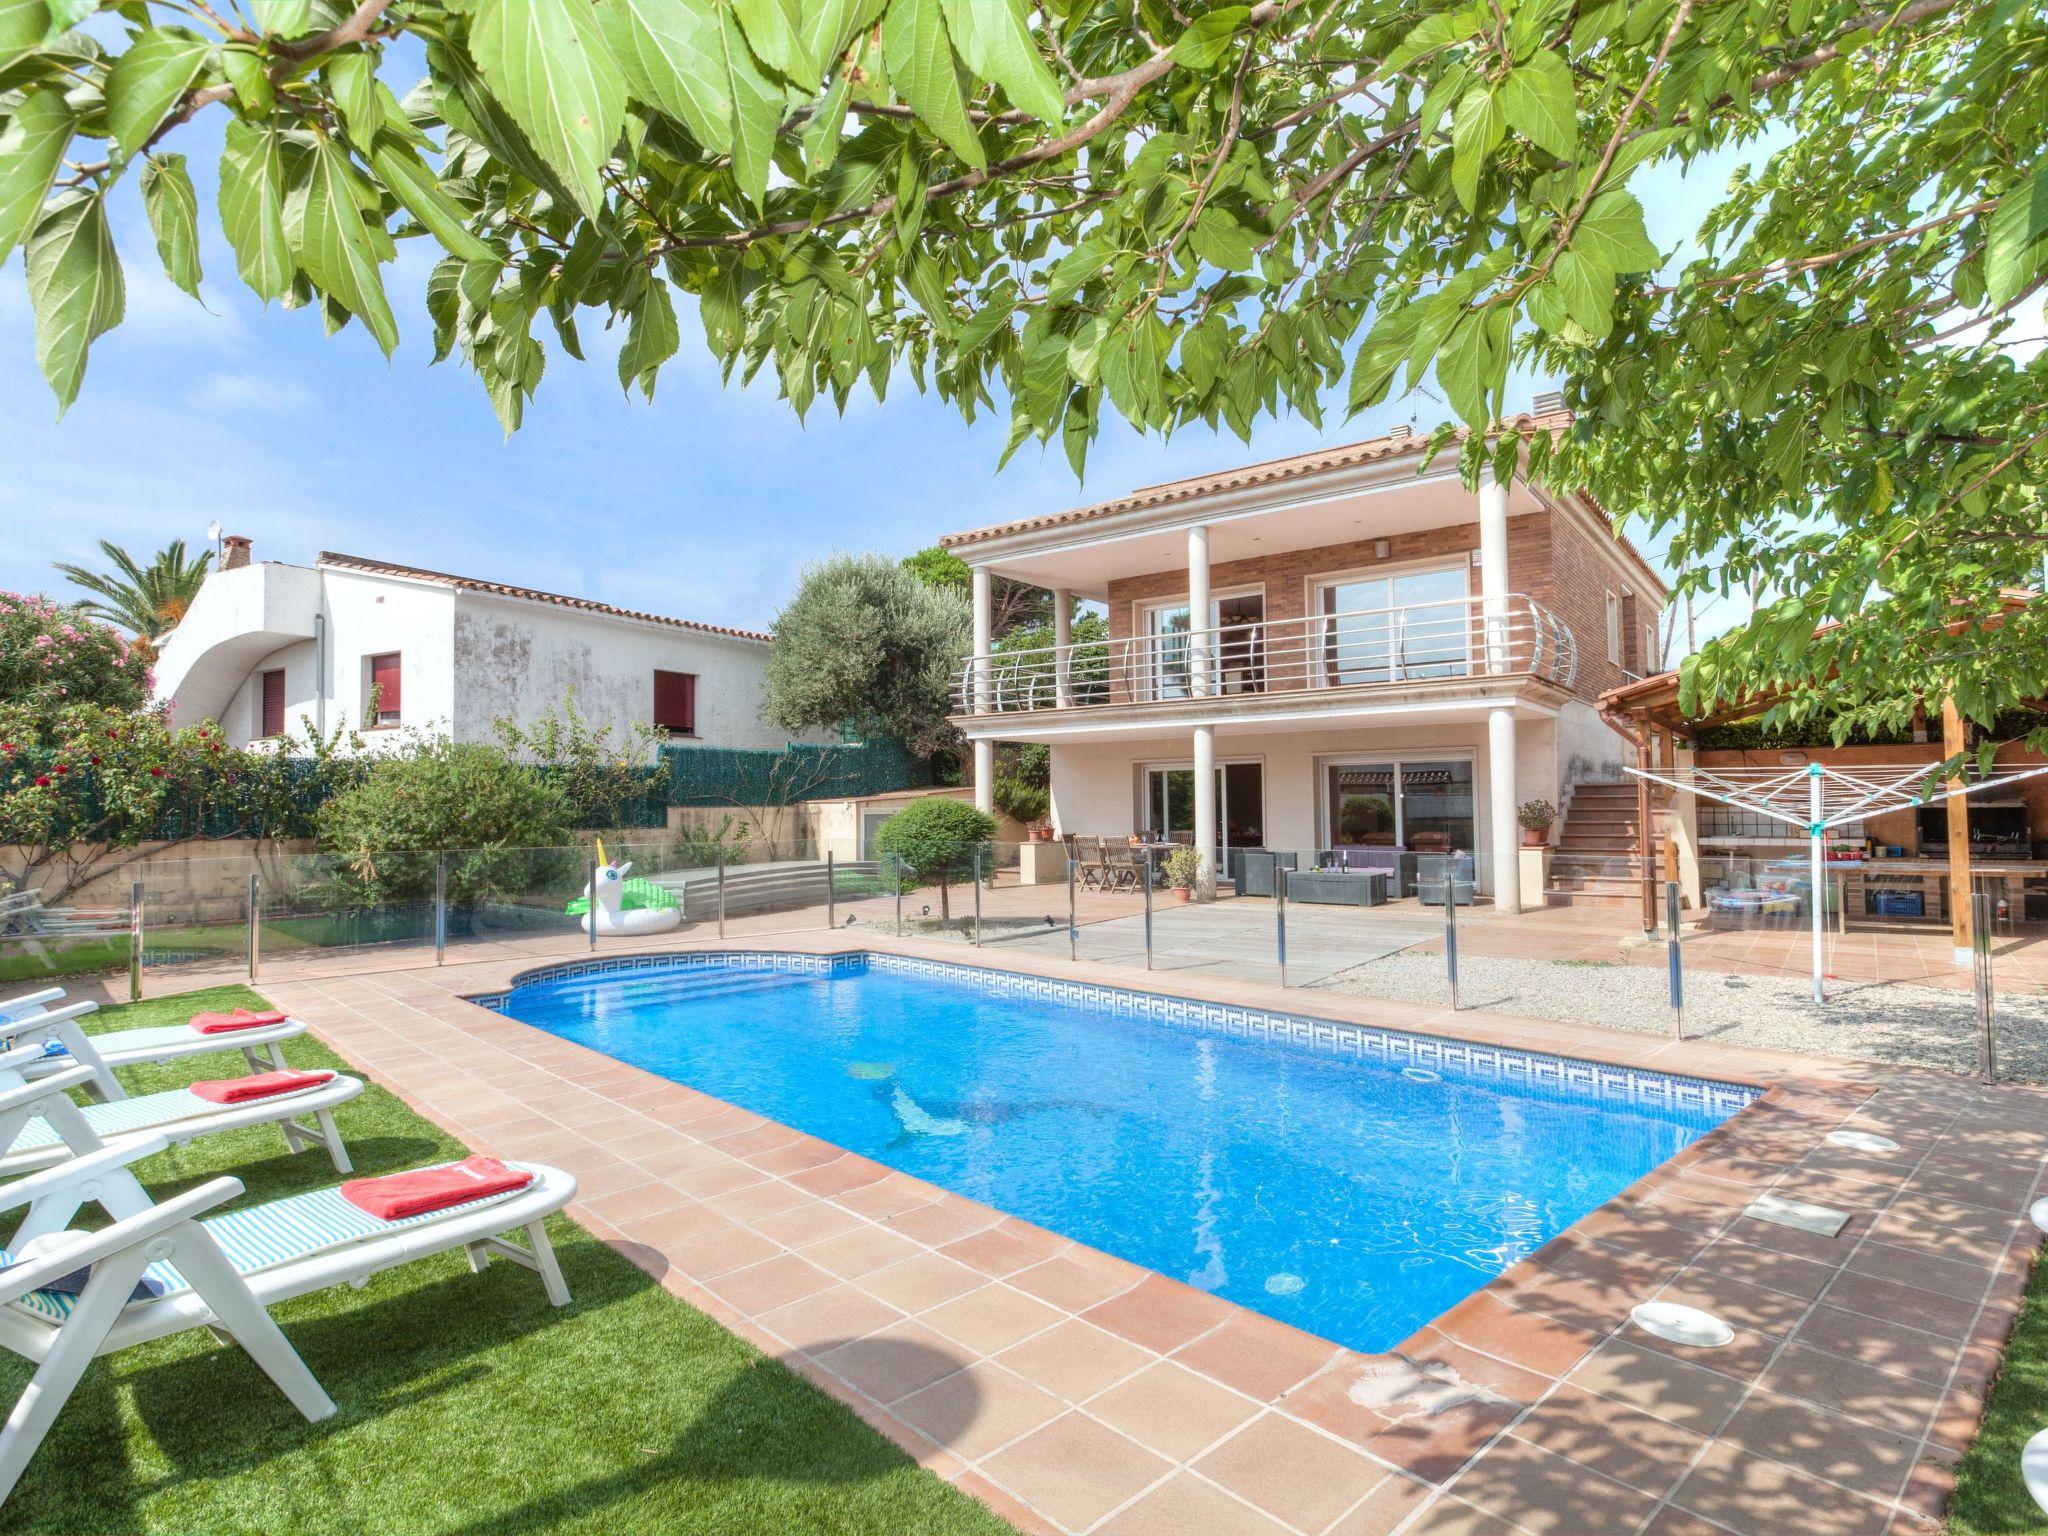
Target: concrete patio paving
{"x":1077,"y":1393}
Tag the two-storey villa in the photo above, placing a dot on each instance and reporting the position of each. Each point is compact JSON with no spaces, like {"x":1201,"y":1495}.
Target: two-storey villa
{"x":1319,"y":652}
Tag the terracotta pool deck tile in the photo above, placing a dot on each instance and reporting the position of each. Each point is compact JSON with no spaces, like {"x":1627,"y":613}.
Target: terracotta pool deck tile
{"x":717,"y":1178}
{"x":1391,"y":1501}
{"x":847,"y":1171}
{"x":829,"y":1318}
{"x":1736,"y":1302}
{"x":1752,"y":1496}
{"x":1258,"y":1356}
{"x":667,"y":1229}
{"x":923,"y":1280}
{"x":894,"y":1195}
{"x":1169,"y":1409}
{"x":772,"y":1283}
{"x":979,"y":1409}
{"x":1548,"y":1495}
{"x":1005,"y":1248}
{"x":1436,"y":1447}
{"x":1874,"y":1295}
{"x":1159,"y":1314}
{"x":796,"y":1156}
{"x":1535,"y":1342}
{"x":801,"y":1225}
{"x":1006,"y":1504}
{"x":1647,"y":1453}
{"x":1078,"y":1279}
{"x":1290,"y":1472}
{"x":860,"y":1251}
{"x":1454,"y":1517}
{"x":720,"y":1253}
{"x":754,"y":1203}
{"x":1075,"y":1470}
{"x":1870,"y":1396}
{"x":991,"y":1317}
{"x":1871,"y":1462}
{"x":894,"y":1362}
{"x":1185,"y":1505}
{"x":1883,"y":1345}
{"x":943,"y":1221}
{"x":765,"y":1137}
{"x":647,"y":1199}
{"x":1591,"y":1305}
{"x":1075,"y":1360}
{"x":1683,"y":1394}
{"x":1766,"y":1267}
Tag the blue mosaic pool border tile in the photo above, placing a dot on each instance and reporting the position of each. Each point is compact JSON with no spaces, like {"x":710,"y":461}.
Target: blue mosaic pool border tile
{"x":1527,"y":1069}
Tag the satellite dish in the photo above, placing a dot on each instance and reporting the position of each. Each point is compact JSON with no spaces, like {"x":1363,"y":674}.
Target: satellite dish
{"x":214,"y":530}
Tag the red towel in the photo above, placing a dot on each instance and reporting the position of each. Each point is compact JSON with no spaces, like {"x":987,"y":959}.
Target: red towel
{"x":399,"y":1195}
{"x":264,"y":1085}
{"x":240,"y":1018}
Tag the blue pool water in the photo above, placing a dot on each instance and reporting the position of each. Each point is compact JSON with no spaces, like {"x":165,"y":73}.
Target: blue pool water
{"x":1334,"y":1184}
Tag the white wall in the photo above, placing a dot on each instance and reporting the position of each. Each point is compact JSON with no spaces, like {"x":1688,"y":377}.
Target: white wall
{"x":1096,"y":786}
{"x":522,"y":659}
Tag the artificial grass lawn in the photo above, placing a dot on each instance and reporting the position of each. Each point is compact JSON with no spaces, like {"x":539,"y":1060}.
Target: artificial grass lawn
{"x":467,"y":1403}
{"x":1990,"y":1499}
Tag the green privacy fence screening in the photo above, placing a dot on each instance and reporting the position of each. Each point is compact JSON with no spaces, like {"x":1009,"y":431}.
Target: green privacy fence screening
{"x":712,"y":776}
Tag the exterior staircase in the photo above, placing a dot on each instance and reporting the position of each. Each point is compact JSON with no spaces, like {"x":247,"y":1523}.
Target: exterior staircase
{"x":1597,"y":862}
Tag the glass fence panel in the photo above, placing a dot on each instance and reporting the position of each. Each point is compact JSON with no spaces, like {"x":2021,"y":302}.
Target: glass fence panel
{"x":321,"y":906}
{"x":78,"y":933}
{"x":195,"y":916}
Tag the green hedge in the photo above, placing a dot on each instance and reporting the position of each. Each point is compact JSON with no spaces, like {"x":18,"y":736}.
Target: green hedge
{"x":711,"y":776}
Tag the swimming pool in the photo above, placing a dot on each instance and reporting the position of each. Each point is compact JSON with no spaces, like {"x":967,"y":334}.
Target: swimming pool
{"x":1352,"y":1182}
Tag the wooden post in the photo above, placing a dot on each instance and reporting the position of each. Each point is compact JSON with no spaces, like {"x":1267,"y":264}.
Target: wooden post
{"x":1644,"y":847}
{"x":1958,"y":807}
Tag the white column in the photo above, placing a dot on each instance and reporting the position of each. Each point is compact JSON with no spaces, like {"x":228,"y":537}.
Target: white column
{"x":983,"y":626}
{"x":1198,"y":613}
{"x":1500,"y":805}
{"x":1205,"y":809}
{"x":1063,"y":642}
{"x":1493,"y":569}
{"x":985,"y":777}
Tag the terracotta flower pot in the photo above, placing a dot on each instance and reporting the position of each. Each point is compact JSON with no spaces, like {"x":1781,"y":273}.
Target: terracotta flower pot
{"x":1535,"y":837}
{"x":1182,"y":893}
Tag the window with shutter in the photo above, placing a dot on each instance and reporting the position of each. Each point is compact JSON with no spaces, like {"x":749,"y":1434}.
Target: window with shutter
{"x":385,"y":691}
{"x":272,"y":722}
{"x":675,"y":702}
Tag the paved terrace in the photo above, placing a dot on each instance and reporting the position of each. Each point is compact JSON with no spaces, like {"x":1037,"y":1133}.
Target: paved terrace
{"x":1077,"y":1393}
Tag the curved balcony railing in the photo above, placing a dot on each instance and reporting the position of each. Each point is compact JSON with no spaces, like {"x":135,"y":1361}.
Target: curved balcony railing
{"x":1374,"y":647}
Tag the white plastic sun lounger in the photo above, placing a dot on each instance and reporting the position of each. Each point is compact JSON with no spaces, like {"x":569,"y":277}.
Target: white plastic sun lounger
{"x":222,"y":1273}
{"x":41,"y":1125}
{"x":64,"y":1041}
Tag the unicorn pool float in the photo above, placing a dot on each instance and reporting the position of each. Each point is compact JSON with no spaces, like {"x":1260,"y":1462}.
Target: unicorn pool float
{"x":620,"y":906}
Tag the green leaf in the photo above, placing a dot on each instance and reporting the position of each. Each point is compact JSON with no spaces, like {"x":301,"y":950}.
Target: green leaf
{"x":1465,"y":369}
{"x":994,"y":41}
{"x":548,"y":64}
{"x":1429,"y":34}
{"x":466,"y":106}
{"x":920,"y":61}
{"x":353,"y":79}
{"x":66,"y":14}
{"x":1476,"y":131}
{"x":252,"y":194}
{"x":284,"y":18}
{"x":1612,"y":231}
{"x":22,"y":25}
{"x":246,"y":73}
{"x":1542,"y":105}
{"x":756,"y":110}
{"x":146,"y":81}
{"x":324,"y":224}
{"x":774,"y":30}
{"x":651,"y":339}
{"x":2013,"y":249}
{"x":1207,"y":39}
{"x":74,"y":283}
{"x":32,"y":145}
{"x":1586,"y":285}
{"x":420,"y":192}
{"x":673,"y":59}
{"x":173,"y":209}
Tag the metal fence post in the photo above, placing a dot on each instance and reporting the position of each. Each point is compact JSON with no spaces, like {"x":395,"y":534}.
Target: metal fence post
{"x":441,"y":908}
{"x":1451,"y":925}
{"x":1146,"y":865}
{"x":896,"y":880}
{"x":721,"y":893}
{"x":135,"y":942}
{"x":255,"y":927}
{"x":831,"y":891}
{"x":977,"y":895}
{"x":590,"y":912}
{"x":1980,"y":966}
{"x":1280,"y":914}
{"x":1677,"y":967}
{"x":1073,"y":924}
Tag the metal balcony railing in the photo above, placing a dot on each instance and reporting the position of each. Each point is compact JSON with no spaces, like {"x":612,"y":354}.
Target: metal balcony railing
{"x":1374,"y":647}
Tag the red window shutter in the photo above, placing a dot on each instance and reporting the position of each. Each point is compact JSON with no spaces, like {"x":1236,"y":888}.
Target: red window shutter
{"x":273,"y":702}
{"x":384,"y":678}
{"x":675,"y":701}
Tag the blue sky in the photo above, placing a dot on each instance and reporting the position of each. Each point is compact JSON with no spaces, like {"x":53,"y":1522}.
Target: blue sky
{"x":703,"y":505}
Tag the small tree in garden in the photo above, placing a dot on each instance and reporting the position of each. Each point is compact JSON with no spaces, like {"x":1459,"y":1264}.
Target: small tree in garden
{"x":1024,"y":781}
{"x":936,"y":837}
{"x":54,"y":658}
{"x":864,"y":643}
{"x":606,"y":772}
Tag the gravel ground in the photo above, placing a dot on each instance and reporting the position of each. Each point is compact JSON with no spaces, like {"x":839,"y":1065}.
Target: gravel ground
{"x":1920,"y":1026}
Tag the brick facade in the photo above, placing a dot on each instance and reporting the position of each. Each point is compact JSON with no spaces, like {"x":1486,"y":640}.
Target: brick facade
{"x":1549,"y":561}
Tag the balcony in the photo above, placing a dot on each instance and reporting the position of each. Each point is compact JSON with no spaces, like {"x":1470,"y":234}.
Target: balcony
{"x":1354,"y":652}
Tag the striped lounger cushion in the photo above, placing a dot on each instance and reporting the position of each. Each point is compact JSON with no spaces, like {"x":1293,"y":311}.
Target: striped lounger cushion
{"x":265,"y":1236}
{"x":151,"y":1112}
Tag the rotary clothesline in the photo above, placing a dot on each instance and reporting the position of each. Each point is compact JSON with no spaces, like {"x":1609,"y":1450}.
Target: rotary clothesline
{"x":1816,"y":798}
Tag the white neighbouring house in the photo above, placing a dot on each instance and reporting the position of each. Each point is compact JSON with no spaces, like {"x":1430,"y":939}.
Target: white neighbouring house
{"x":266,"y":646}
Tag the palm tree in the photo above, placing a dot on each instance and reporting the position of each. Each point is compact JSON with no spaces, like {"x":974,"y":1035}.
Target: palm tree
{"x":145,"y":599}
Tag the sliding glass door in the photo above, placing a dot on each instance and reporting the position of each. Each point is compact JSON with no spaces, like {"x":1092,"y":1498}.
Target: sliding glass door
{"x":1424,"y":805}
{"x":1393,"y":628}
{"x":1237,"y":661}
{"x":1240,"y":804}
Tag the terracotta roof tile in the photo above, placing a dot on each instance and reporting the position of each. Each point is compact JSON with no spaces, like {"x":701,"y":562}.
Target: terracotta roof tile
{"x":1267,"y":472}
{"x":529,"y":594}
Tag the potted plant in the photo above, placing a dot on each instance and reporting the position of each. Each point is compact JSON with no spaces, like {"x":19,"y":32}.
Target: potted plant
{"x":1536,"y":817}
{"x":1183,"y":867}
{"x":1041,"y":832}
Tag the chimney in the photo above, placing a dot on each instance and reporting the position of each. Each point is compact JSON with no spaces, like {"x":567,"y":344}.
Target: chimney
{"x":1397,"y":433}
{"x":1548,"y":402}
{"x":234,"y":552}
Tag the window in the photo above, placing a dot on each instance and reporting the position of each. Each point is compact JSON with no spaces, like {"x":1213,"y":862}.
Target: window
{"x":1652,"y":661}
{"x":1426,"y":807}
{"x":382,"y":701}
{"x":1614,"y":628}
{"x":675,"y":702}
{"x":271,"y":719}
{"x":1382,"y":629}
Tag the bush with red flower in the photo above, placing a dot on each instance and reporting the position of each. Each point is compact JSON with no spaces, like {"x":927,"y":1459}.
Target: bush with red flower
{"x":53,"y":658}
